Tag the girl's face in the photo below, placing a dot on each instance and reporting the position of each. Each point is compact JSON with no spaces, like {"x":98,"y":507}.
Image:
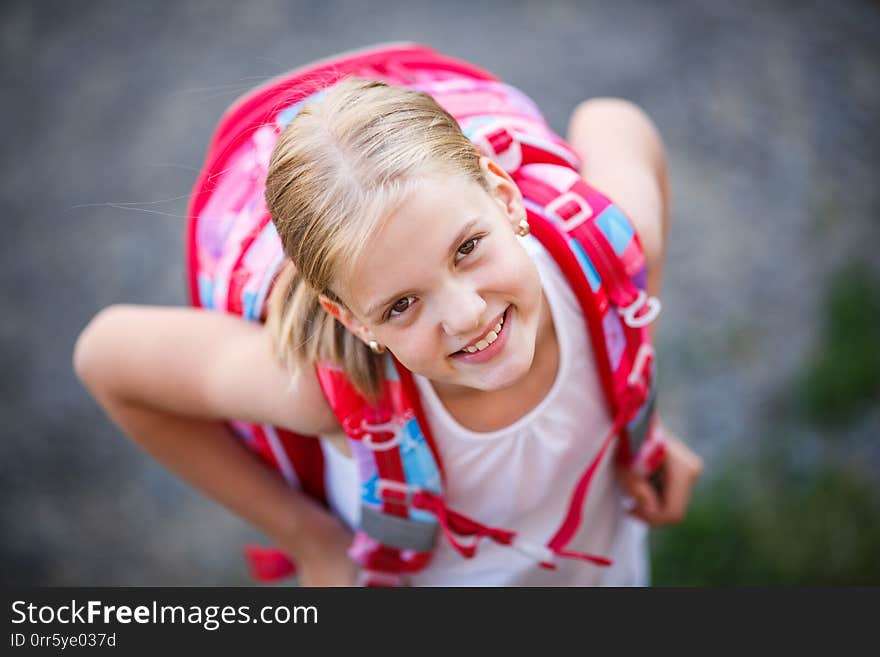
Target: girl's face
{"x":444,"y":271}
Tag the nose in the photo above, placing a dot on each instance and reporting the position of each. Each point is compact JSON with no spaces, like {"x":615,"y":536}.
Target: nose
{"x":462,"y":311}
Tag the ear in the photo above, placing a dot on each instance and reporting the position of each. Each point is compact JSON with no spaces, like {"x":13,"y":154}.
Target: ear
{"x":345,"y":317}
{"x":504,"y":191}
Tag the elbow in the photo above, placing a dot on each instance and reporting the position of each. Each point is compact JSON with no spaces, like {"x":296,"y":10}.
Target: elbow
{"x":89,"y":352}
{"x":635,"y":132}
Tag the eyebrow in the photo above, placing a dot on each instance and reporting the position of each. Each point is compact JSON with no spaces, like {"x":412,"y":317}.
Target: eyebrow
{"x":456,"y":242}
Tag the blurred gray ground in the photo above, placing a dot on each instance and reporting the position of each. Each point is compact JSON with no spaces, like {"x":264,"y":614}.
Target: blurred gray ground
{"x":769,"y":111}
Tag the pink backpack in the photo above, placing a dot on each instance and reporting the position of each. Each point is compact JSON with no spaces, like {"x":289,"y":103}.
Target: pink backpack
{"x":234,"y":254}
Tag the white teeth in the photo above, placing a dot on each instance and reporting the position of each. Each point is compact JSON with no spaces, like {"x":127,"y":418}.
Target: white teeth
{"x":491,"y":336}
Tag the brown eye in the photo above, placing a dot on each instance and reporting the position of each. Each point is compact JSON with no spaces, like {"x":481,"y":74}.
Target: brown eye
{"x":400,"y":306}
{"x":468,"y":247}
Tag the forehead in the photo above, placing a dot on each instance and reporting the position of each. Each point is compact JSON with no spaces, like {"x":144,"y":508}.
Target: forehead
{"x":416,"y":237}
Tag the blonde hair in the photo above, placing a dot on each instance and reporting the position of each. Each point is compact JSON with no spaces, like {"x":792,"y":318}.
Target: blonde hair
{"x":342,"y":166}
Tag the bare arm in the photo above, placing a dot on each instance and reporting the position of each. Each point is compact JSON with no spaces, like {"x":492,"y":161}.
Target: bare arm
{"x":168,"y":376}
{"x":201,"y":364}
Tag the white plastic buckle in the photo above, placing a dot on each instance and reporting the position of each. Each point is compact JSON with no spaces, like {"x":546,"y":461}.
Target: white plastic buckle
{"x":642,"y":300}
{"x":510,"y":158}
{"x":568,"y":225}
{"x":367,"y":577}
{"x":643,"y":355}
{"x":386,"y":427}
{"x":536,"y":551}
{"x":406,"y":490}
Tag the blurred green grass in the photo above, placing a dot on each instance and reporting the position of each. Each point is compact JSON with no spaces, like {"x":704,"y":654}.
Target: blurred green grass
{"x":771,"y":517}
{"x":843,"y":376}
{"x":753,"y":526}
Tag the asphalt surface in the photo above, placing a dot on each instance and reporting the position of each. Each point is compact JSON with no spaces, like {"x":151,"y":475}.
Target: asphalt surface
{"x":769,"y":112}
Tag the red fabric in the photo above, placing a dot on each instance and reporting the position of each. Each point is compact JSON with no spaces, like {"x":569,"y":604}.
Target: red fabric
{"x":268,"y":564}
{"x":451,"y":521}
{"x":382,"y":558}
{"x":307,"y":457}
{"x":237,"y":280}
{"x":260,"y":446}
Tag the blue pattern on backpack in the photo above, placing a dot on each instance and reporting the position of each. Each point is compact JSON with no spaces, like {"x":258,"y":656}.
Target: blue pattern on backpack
{"x":206,"y":292}
{"x":616,"y":228}
{"x":248,"y":305}
{"x":592,"y":275}
{"x":419,"y":467}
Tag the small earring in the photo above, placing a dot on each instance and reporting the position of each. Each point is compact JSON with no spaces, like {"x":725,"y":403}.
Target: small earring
{"x":376,"y":347}
{"x":523,"y":229}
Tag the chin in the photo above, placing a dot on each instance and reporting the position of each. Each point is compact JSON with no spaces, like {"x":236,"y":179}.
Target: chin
{"x":511,"y":373}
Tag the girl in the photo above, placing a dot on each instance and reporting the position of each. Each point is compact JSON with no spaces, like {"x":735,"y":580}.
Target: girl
{"x":401,"y":238}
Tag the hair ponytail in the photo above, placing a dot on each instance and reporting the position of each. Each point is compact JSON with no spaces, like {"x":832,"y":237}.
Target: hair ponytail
{"x":303,"y":333}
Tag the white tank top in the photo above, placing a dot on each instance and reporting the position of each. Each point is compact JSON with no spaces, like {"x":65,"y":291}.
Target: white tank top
{"x":521,"y":477}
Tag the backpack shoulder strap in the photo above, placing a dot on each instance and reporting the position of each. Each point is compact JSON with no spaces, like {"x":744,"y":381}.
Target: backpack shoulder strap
{"x":598,"y":250}
{"x":396,"y":457}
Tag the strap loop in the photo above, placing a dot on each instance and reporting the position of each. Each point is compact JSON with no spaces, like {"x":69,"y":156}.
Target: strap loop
{"x":388,"y":490}
{"x":644,"y":355}
{"x":371,"y":430}
{"x":630,"y":312}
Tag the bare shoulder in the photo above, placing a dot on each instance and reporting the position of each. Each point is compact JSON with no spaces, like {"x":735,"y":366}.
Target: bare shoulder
{"x":624,"y":156}
{"x":289,"y":398}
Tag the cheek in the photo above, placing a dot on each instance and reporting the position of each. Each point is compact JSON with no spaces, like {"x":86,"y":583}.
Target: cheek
{"x":413,"y":347}
{"x":516,"y":274}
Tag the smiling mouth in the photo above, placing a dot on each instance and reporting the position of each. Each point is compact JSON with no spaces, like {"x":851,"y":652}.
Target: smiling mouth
{"x":482,"y":342}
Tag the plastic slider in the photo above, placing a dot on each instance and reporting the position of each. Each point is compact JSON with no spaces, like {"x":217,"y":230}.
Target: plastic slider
{"x":569,"y":210}
{"x":501,"y":145}
{"x":388,"y":490}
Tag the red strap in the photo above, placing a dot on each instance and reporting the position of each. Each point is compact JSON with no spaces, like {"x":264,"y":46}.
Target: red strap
{"x":412,"y":398}
{"x":307,"y":458}
{"x":452,"y":522}
{"x":583,"y":556}
{"x":557,"y":245}
{"x":575,"y":508}
{"x":619,"y":287}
